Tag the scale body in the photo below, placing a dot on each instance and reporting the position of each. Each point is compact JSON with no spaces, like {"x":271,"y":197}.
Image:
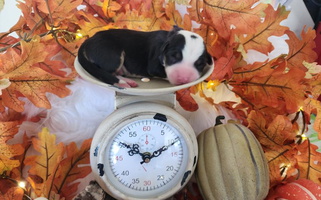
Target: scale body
{"x":144,"y":149}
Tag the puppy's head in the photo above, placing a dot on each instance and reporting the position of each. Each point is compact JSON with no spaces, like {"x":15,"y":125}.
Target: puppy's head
{"x":184,"y":56}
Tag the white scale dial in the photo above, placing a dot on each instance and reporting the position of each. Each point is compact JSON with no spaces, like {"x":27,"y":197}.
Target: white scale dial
{"x":146,"y":155}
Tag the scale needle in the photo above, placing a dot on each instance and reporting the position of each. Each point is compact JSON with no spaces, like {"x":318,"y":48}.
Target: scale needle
{"x":144,"y":168}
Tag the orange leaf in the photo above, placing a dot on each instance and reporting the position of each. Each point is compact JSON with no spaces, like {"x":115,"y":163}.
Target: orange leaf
{"x":51,"y":65}
{"x":270,"y":27}
{"x":233,"y":16}
{"x":151,"y":16}
{"x":309,"y":161}
{"x":301,"y":50}
{"x":7,"y":152}
{"x":272,"y":137}
{"x":13,"y":193}
{"x":210,"y":38}
{"x":133,"y":19}
{"x":276,"y":90}
{"x":173,"y":15}
{"x":259,"y":69}
{"x":58,"y":9}
{"x":70,"y":169}
{"x":224,"y":66}
{"x":110,"y":7}
{"x":194,"y":11}
{"x":28,"y":18}
{"x":28,"y":81}
{"x":185,"y":99}
{"x":44,"y":166}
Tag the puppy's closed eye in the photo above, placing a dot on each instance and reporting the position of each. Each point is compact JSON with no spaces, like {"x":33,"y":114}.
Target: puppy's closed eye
{"x":200,"y":64}
{"x":173,"y":57}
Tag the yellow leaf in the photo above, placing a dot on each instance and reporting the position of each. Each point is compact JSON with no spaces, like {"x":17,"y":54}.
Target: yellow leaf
{"x":7,"y":152}
{"x":313,"y":69}
{"x":110,"y":7}
{"x":44,"y":166}
{"x":92,"y":24}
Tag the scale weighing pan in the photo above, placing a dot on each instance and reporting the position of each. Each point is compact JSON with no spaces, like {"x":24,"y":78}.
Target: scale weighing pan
{"x":155,"y":86}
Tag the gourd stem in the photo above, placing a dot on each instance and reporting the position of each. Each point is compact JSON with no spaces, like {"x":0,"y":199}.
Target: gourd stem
{"x":218,"y":120}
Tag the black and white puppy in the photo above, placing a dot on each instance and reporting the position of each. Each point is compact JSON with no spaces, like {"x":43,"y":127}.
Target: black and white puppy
{"x":178,"y":55}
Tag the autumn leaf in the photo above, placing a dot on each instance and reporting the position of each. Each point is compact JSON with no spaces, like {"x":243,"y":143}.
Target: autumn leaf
{"x":58,"y":10}
{"x":133,"y":19}
{"x":233,"y":16}
{"x":273,"y":136}
{"x":224,"y":66}
{"x":27,"y":80}
{"x":185,"y":99}
{"x":8,"y":151}
{"x":31,"y":53}
{"x":43,"y":167}
{"x":313,"y":69}
{"x":301,"y":49}
{"x":274,"y":90}
{"x":159,"y":16}
{"x":29,"y":21}
{"x":143,"y":6}
{"x":17,"y":172}
{"x":73,"y":167}
{"x":210,"y":38}
{"x":270,"y":27}
{"x":174,"y":16}
{"x":149,"y":16}
{"x":313,"y":106}
{"x":309,"y":161}
{"x":247,"y":71}
{"x":13,"y":193}
{"x":51,"y":65}
{"x":110,"y":7}
{"x":91,"y":24}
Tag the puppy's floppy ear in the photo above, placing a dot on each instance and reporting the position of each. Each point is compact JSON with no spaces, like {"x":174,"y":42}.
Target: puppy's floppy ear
{"x":162,"y":53}
{"x":174,"y":31}
{"x":170,"y":35}
{"x":176,"y":28}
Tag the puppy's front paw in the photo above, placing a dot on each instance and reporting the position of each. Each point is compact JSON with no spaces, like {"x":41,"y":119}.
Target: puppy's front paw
{"x":126,"y":82}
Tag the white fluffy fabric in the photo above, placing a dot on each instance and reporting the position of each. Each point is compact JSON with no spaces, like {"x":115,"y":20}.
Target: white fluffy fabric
{"x":74,"y":118}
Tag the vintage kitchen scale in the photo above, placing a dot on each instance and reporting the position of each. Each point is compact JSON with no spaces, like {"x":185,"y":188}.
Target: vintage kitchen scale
{"x":144,"y":149}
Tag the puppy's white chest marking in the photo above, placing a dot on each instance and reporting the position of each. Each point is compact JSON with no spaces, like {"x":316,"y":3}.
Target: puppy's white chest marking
{"x":121,"y":70}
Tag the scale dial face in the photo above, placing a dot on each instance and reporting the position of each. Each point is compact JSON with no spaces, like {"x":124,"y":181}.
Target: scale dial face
{"x":144,"y":155}
{"x":149,"y":164}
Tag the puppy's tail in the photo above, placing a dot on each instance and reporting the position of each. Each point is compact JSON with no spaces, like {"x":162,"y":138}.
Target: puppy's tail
{"x":84,"y":61}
